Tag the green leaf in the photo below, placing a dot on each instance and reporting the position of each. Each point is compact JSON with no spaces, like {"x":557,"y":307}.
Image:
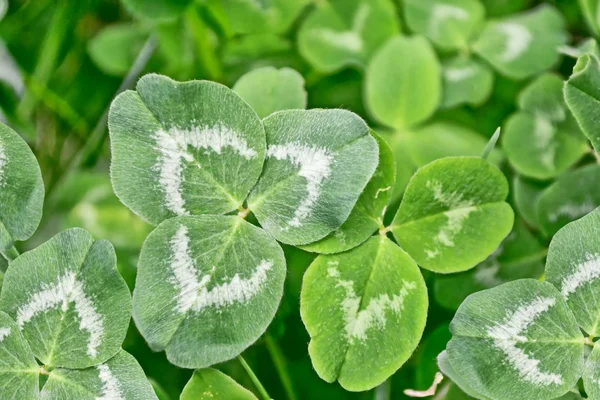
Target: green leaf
{"x":526,"y":194}
{"x":401,"y":90}
{"x":21,"y":189}
{"x":525,"y":44}
{"x":121,"y":378}
{"x":543,"y":140}
{"x":160,"y":10}
{"x":591,"y":374}
{"x":346,"y":32}
{"x":367,"y":214}
{"x":115,"y":48}
{"x":217,"y":281}
{"x":365,"y":311}
{"x":519,"y":256}
{"x":465,"y":81}
{"x":212,"y":384}
{"x":572,"y":196}
{"x":268,"y":89}
{"x":416,"y":148}
{"x":270,"y":16}
{"x":453,"y":214}
{"x":517,"y":341}
{"x":450,"y":24}
{"x":19,"y":373}
{"x":582,"y":93}
{"x":69,"y":300}
{"x":174,"y":160}
{"x":318,"y":163}
{"x":448,"y":370}
{"x":590,"y":11}
{"x":573,"y":266}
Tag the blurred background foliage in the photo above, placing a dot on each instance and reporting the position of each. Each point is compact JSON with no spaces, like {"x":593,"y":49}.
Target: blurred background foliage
{"x":62,"y":62}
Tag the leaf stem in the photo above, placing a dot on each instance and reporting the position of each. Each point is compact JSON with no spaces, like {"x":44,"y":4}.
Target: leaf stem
{"x":261,"y":389}
{"x":98,"y":135}
{"x":279,"y":361}
{"x":11,"y":253}
{"x":383,"y":391}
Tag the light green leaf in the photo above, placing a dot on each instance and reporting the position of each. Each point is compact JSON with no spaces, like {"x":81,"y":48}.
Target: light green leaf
{"x":268,"y":89}
{"x":418,"y":147}
{"x":365,"y":311}
{"x":115,"y":48}
{"x":212,"y":384}
{"x":318,"y":163}
{"x":259,"y":16}
{"x":367,"y":214}
{"x":401,"y":90}
{"x":590,"y":11}
{"x":525,"y":44}
{"x":519,"y":256}
{"x":183,"y":148}
{"x":21,"y":189}
{"x":543,"y":140}
{"x":346,"y":32}
{"x":120,"y":378}
{"x":591,"y":374}
{"x":465,"y":81}
{"x":525,"y":196}
{"x":517,"y":341}
{"x":573,"y":266}
{"x":450,"y":24}
{"x":19,"y":373}
{"x":453,"y":214}
{"x":582,"y":93}
{"x":217,"y":281}
{"x":160,"y":10}
{"x":572,"y":196}
{"x":69,"y":300}
{"x":448,"y":370}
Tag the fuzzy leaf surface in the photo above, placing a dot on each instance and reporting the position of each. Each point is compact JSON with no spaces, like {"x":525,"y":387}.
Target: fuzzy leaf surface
{"x":207,"y":288}
{"x":69,"y":300}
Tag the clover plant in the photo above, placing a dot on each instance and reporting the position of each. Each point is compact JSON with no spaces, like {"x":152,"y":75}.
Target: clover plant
{"x":299,"y":199}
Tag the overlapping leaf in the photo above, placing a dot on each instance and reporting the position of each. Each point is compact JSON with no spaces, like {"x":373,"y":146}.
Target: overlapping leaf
{"x":367,"y":214}
{"x":207,"y":288}
{"x":519,"y":256}
{"x":572,"y":196}
{"x":19,"y":373}
{"x":465,"y":81}
{"x":212,"y":384}
{"x":369,"y":300}
{"x":450,"y":24}
{"x":543,"y":139}
{"x":21,"y":189}
{"x":183,"y":148}
{"x":345,"y":32}
{"x":525,"y":44}
{"x":401,"y":91}
{"x":573,"y":267}
{"x":517,"y":341}
{"x":120,"y":378}
{"x":69,"y":300}
{"x":453,"y":214}
{"x":318,"y":163}
{"x":268,"y":89}
{"x":591,"y":374}
{"x":582,"y":93}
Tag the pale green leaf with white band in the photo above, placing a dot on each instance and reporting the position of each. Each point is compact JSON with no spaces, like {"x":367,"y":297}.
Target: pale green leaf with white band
{"x":207,"y":288}
{"x":183,"y":148}
{"x":69,"y":300}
